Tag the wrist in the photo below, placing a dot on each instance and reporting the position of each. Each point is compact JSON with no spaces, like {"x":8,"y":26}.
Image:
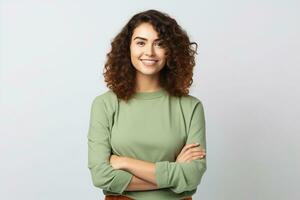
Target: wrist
{"x":123,"y":162}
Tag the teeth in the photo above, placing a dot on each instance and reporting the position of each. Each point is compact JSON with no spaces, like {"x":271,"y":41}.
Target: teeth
{"x":149,"y":62}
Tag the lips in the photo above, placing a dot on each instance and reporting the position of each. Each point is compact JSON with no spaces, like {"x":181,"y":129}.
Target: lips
{"x":149,"y":61}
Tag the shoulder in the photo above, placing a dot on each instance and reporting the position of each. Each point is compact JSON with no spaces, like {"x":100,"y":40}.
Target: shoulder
{"x":192,"y":108}
{"x":106,"y":96}
{"x":190,"y":101}
{"x":107,"y":100}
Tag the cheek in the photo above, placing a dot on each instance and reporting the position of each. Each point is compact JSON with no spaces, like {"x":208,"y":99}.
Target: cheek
{"x":162,"y":54}
{"x":134,"y":56}
{"x":163,"y":58}
{"x":134,"y":53}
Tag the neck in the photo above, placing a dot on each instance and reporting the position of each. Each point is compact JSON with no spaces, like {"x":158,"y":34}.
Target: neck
{"x":146,"y":83}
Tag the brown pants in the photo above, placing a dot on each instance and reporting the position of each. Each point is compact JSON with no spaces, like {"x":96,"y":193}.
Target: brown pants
{"x":120,"y":197}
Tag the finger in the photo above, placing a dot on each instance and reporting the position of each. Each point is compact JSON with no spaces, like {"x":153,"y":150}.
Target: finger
{"x":188,"y":146}
{"x":194,"y":156}
{"x":188,"y":149}
{"x":194,"y":150}
{"x":187,"y":154}
{"x":198,"y":154}
{"x":197,"y":150}
{"x":197,"y":157}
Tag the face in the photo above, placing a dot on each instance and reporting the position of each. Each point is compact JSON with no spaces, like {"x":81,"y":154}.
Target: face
{"x":146,"y":51}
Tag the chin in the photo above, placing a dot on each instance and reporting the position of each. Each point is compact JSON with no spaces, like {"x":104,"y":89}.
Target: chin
{"x":147,"y":72}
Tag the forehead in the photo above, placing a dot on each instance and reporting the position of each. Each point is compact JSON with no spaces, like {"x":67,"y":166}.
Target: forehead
{"x":145,"y":30}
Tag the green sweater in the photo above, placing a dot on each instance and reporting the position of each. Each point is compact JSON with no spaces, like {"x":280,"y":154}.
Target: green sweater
{"x":154,"y":127}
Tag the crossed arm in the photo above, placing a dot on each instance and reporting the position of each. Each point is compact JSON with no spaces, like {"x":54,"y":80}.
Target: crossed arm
{"x":143,"y":172}
{"x":144,"y":177}
{"x":137,"y":184}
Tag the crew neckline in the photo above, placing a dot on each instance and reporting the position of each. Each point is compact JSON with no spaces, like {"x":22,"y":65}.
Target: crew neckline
{"x":150,"y":95}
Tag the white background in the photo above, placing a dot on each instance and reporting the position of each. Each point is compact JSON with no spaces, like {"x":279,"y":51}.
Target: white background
{"x":52,"y":55}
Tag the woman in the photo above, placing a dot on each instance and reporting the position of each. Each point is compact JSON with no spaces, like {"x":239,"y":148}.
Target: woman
{"x":146,"y":137}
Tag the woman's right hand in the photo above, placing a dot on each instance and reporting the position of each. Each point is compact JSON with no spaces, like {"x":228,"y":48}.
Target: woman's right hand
{"x":190,"y":152}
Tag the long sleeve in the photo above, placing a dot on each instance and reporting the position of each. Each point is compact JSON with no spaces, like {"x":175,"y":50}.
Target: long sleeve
{"x":182,"y":177}
{"x":103,"y":174}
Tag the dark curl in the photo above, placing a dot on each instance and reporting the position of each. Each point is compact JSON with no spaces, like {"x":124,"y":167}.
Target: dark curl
{"x":175,"y":77}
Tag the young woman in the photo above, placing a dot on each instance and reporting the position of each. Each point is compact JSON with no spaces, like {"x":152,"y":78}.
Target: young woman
{"x":146,"y":136}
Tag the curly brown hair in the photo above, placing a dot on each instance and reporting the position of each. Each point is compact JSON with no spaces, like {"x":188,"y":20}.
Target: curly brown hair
{"x":175,"y":77}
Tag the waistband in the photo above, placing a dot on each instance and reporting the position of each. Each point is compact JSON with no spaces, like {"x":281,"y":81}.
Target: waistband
{"x":121,"y":197}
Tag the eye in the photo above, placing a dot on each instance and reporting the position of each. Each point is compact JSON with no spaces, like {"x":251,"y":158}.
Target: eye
{"x":159,"y":44}
{"x":140,"y":43}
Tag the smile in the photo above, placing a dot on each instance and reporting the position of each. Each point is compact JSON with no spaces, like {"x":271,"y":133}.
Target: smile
{"x":149,"y":61}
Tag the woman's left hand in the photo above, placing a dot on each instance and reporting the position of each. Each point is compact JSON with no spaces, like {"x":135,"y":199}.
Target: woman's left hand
{"x":116,"y":161}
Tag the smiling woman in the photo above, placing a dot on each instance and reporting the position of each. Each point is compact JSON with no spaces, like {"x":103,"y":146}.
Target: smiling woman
{"x":156,"y":37}
{"x":146,"y":137}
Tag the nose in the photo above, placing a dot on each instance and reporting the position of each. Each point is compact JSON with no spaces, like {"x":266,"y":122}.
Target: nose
{"x":149,"y":51}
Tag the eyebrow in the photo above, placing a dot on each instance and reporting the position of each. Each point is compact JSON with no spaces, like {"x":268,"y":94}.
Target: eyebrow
{"x":145,"y":38}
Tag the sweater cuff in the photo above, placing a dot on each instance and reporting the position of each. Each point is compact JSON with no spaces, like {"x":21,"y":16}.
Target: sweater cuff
{"x":161,"y":174}
{"x":121,"y":181}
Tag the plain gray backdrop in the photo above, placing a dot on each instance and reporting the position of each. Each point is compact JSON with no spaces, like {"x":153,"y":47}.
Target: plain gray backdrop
{"x":247,"y":76}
